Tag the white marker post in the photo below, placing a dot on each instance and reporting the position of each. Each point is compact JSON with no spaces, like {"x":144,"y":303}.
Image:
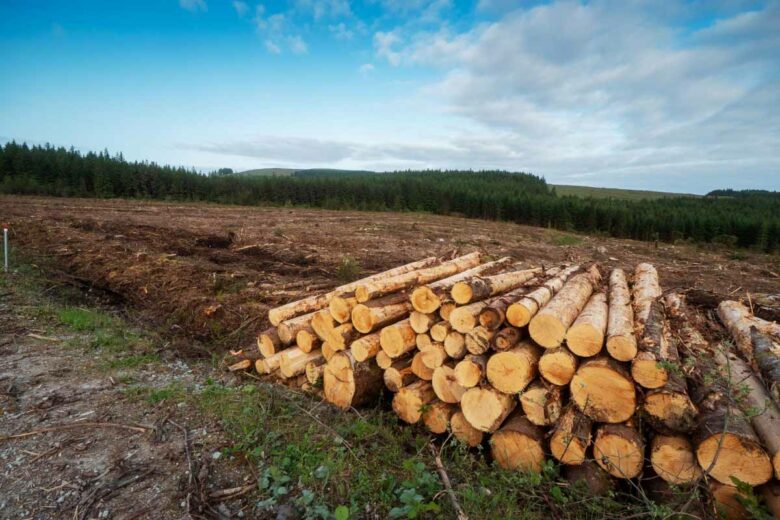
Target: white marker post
{"x":5,"y":249}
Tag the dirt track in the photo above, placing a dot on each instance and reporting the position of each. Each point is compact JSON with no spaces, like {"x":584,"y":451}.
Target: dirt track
{"x":180,"y":264}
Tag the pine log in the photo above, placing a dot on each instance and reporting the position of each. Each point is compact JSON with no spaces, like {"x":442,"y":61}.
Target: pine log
{"x":349,"y":383}
{"x":307,"y":340}
{"x":423,"y":342}
{"x":372,"y":315}
{"x":558,"y":365}
{"x":293,"y":361}
{"x":399,"y":375}
{"x":619,"y":450}
{"x":603,"y":390}
{"x":673,"y":459}
{"x":485,"y":408}
{"x":446,"y":309}
{"x":729,"y":501}
{"x":519,"y":314}
{"x":241,"y":364}
{"x":410,"y":401}
{"x":571,"y":437}
{"x":548,"y":328}
{"x":315,"y":370}
{"x":366,"y":347}
{"x":322,"y":323}
{"x":766,"y":352}
{"x":421,"y":322}
{"x":398,"y":339}
{"x":368,"y":290}
{"x":470,"y":371}
{"x":657,"y":357}
{"x":384,"y":361}
{"x":542,"y":403}
{"x":327,"y":350}
{"x":436,"y":416}
{"x":270,"y":364}
{"x":340,"y":307}
{"x":446,"y":386}
{"x":341,"y":337}
{"x":440,"y":330}
{"x":738,"y":320}
{"x":621,"y":341}
{"x":420,"y":369}
{"x":478,"y":340}
{"x":507,"y":338}
{"x":288,"y":330}
{"x":511,"y":371}
{"x":518,"y":445}
{"x":318,"y":302}
{"x":455,"y":345}
{"x":586,"y":335}
{"x":646,"y":290}
{"x":464,"y":319}
{"x":428,"y":298}
{"x":478,"y":288}
{"x":464,"y":431}
{"x":494,"y":315}
{"x":434,"y":356}
{"x":268,"y":342}
{"x":591,"y":476}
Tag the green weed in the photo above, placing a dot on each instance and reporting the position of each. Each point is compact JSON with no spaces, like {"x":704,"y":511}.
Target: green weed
{"x":348,"y":269}
{"x":565,"y":240}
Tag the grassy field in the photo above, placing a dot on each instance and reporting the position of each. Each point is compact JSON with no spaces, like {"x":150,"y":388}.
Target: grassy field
{"x":615,"y":193}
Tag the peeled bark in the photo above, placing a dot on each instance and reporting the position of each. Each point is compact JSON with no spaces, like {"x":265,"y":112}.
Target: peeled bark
{"x":464,"y":319}
{"x":318,"y":302}
{"x":420,"y":322}
{"x":737,"y":320}
{"x":571,"y":437}
{"x":268,"y":342}
{"x":558,"y":366}
{"x":478,"y":340}
{"x":619,"y":450}
{"x":512,"y":370}
{"x":420,"y":369}
{"x":437,"y":416}
{"x":293,"y":361}
{"x":486,"y":408}
{"x":542,"y":403}
{"x":440,"y":330}
{"x":434,"y":357}
{"x":373,"y":289}
{"x":646,"y":290}
{"x":518,"y":445}
{"x":548,"y":328}
{"x":519,"y":314}
{"x":349,"y":383}
{"x":455,"y":345}
{"x":471,"y":371}
{"x":398,"y":339}
{"x":673,"y":459}
{"x":307,"y":340}
{"x":464,"y":431}
{"x":428,"y":298}
{"x":446,"y":386}
{"x":586,"y":335}
{"x":507,"y":338}
{"x":410,"y":401}
{"x":399,"y":375}
{"x":479,"y":288}
{"x":657,"y":357}
{"x":366,"y":347}
{"x":603,"y":390}
{"x":621,"y":341}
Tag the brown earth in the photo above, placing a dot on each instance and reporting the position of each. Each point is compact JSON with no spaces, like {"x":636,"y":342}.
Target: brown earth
{"x":181,"y":264}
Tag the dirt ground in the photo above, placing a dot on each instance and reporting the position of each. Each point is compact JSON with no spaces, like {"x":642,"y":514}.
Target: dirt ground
{"x":182,"y":264}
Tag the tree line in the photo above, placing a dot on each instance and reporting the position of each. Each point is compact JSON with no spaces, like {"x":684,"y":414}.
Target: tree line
{"x":748,"y":219}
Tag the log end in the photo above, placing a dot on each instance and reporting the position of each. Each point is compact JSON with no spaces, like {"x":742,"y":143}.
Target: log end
{"x":603,"y":394}
{"x":425,"y":300}
{"x":734,"y":456}
{"x":584,"y":339}
{"x":464,"y":431}
{"x":547,"y":330}
{"x":649,"y":373}
{"x":622,"y":348}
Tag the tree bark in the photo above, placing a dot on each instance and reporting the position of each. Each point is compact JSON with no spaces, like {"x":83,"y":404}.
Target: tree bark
{"x":478,"y":288}
{"x":542,"y":403}
{"x":507,"y":338}
{"x":657,"y":357}
{"x":478,"y":340}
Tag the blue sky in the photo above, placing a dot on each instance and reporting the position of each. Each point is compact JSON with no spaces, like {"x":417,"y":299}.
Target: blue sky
{"x":677,"y":96}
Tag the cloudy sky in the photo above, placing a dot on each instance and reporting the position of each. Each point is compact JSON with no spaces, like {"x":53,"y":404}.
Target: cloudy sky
{"x":655,"y":95}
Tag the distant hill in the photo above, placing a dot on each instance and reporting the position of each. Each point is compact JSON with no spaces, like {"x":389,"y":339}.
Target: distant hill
{"x":303,"y":172}
{"x":614,"y":193}
{"x":268,"y":172}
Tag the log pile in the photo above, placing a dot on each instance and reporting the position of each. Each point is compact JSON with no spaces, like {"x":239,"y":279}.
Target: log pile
{"x":607,"y":376}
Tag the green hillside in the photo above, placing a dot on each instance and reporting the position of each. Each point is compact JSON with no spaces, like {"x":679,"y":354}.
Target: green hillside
{"x":614,"y":193}
{"x":268,"y":172}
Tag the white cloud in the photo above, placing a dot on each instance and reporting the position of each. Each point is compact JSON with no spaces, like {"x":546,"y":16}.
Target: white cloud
{"x":341,"y":31}
{"x":241,"y":7}
{"x":297,"y":45}
{"x":324,"y":8}
{"x":366,"y":69}
{"x":194,"y":5}
{"x":273,"y":48}
{"x":384,"y":43}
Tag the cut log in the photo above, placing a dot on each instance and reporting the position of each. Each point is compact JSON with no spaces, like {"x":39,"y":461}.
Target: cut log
{"x":478,"y":340}
{"x":446,"y":386}
{"x":446,"y":309}
{"x":428,"y":298}
{"x":586,"y":335}
{"x":478,"y":288}
{"x":518,"y":445}
{"x":771,"y":493}
{"x":349,"y":383}
{"x":318,"y":302}
{"x":603,"y":390}
{"x":399,"y":375}
{"x":315,"y":370}
{"x":455,"y":345}
{"x":268,"y":342}
{"x":368,"y":318}
{"x":341,"y":337}
{"x":421,"y":322}
{"x":464,"y":431}
{"x":646,"y":290}
{"x":519,"y":314}
{"x":542,"y":403}
{"x":398,"y":339}
{"x":766,"y":352}
{"x":436,"y":416}
{"x":434,"y":356}
{"x":511,"y":371}
{"x":673,"y":459}
{"x":728,"y":501}
{"x":669,"y":409}
{"x":440,"y":330}
{"x":340,"y":307}
{"x":410,"y":401}
{"x":242,"y":364}
{"x":307,"y":340}
{"x":293,"y":361}
{"x":619,"y":450}
{"x":558,"y":365}
{"x":548,"y":328}
{"x":383,"y":361}
{"x":738,"y":320}
{"x":420,"y":369}
{"x":423,"y":342}
{"x":288,"y":330}
{"x":366,"y":347}
{"x":464,"y":319}
{"x":322,"y":323}
{"x":590,"y":476}
{"x":571,"y":437}
{"x":373,"y":289}
{"x":621,"y":341}
{"x":485,"y":408}
{"x":507,"y":338}
{"x":270,"y":364}
{"x":494,"y":315}
{"x":327,"y":350}
{"x":471,"y":371}
{"x":657,"y":356}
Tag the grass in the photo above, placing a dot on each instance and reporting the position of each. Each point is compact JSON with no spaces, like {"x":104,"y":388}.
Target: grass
{"x":348,"y":270}
{"x":565,"y":240}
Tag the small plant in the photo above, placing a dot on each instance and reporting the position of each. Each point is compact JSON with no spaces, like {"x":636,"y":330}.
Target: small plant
{"x":416,"y":494}
{"x":348,"y":269}
{"x":565,"y":240}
